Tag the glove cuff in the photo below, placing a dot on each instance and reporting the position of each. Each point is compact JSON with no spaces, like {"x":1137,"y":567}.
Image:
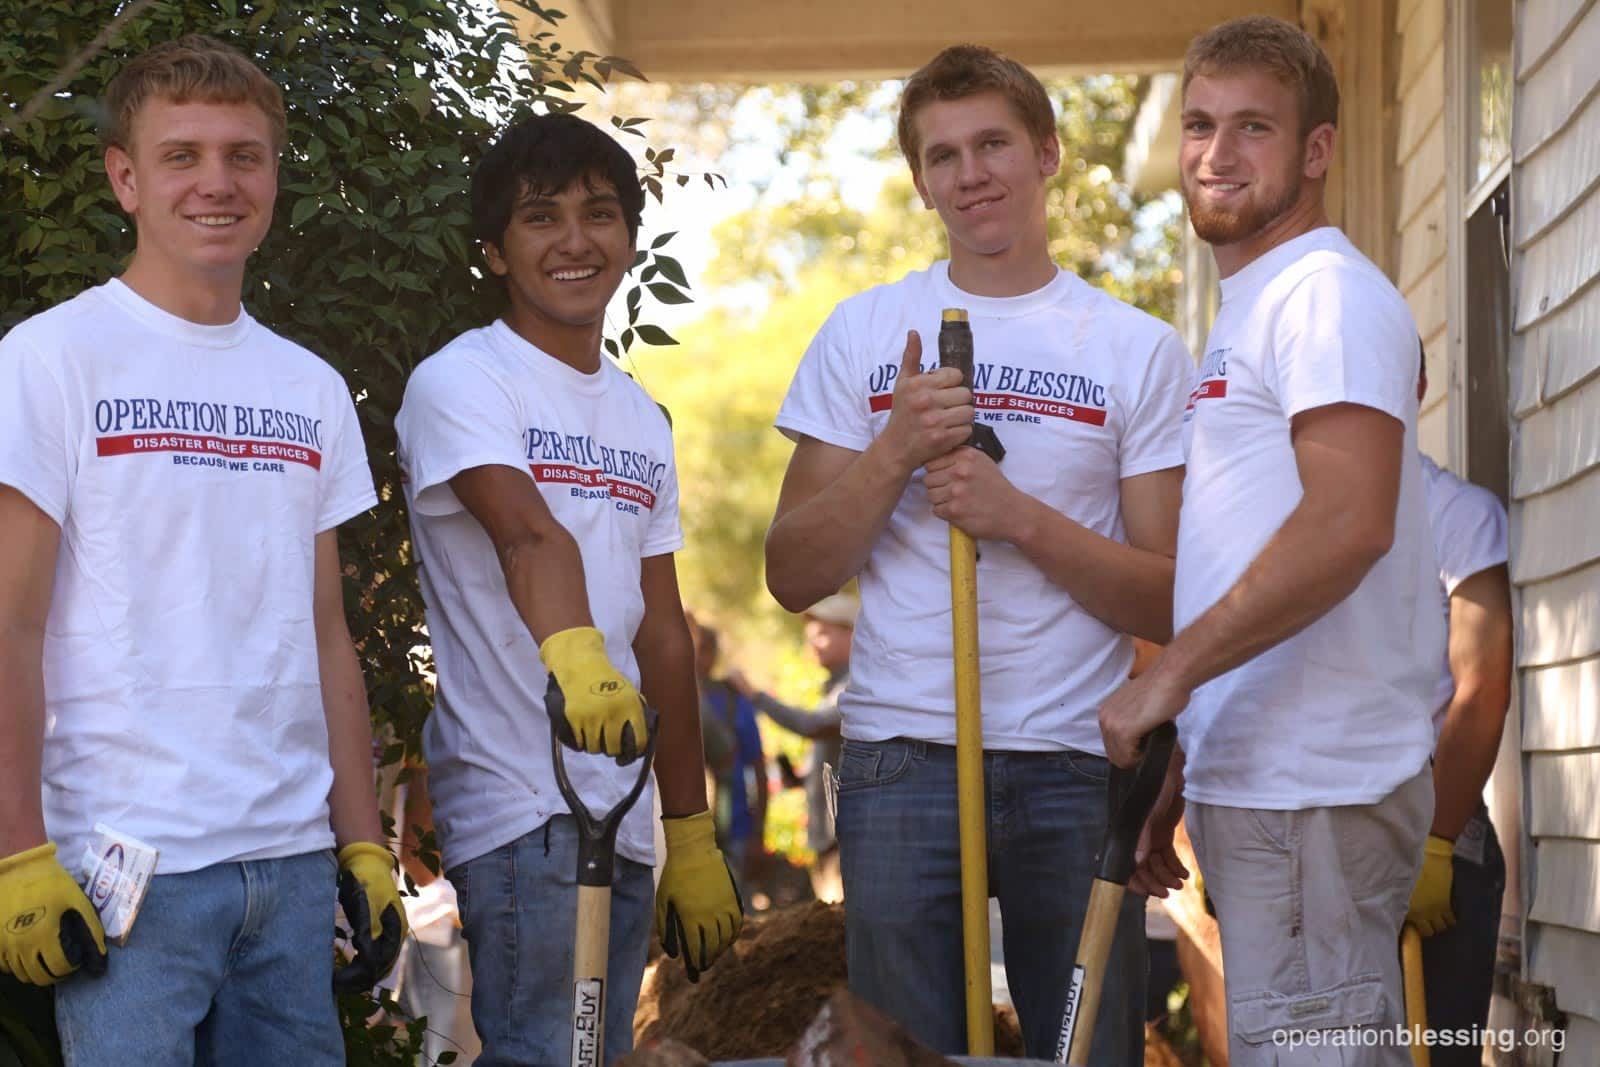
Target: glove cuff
{"x":564,"y":646}
{"x":357,"y":849}
{"x":1439,"y":846}
{"x":27,"y":857}
{"x":689,"y":832}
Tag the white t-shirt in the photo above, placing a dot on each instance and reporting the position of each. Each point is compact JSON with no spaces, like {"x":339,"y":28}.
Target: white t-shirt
{"x":1338,"y":713}
{"x":600,"y":451}
{"x":190,"y":468}
{"x":1469,"y":536}
{"x":1083,"y":391}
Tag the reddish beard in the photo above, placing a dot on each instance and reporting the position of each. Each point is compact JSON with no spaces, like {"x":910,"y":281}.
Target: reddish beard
{"x":1216,"y":226}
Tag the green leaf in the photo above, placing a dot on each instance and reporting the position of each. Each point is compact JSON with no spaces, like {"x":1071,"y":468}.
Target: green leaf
{"x":304,"y":208}
{"x":667,"y":294}
{"x":655,"y":335}
{"x":672,"y":270}
{"x":663,"y":239}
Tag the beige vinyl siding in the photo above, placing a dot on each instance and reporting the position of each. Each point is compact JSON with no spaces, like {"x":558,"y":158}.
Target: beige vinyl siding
{"x":1421,"y":220}
{"x":1555,"y":488}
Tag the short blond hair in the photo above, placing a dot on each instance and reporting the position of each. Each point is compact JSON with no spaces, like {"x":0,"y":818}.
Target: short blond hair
{"x":1282,"y":49}
{"x":192,"y":68}
{"x":964,"y":70}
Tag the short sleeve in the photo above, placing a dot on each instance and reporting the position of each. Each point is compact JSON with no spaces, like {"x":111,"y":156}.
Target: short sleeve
{"x":454,"y":417}
{"x":1344,"y":336}
{"x":36,"y":454}
{"x":346,"y":476}
{"x":665,"y":532}
{"x":827,"y":398}
{"x":1469,"y":535}
{"x":1153,"y":440}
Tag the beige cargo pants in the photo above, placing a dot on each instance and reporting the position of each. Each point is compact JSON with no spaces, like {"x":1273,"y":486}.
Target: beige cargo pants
{"x":1310,"y":905}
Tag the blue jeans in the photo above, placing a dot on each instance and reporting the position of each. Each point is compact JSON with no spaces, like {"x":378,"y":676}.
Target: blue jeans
{"x":232,"y":963}
{"x":901,"y":857}
{"x":519,"y":907}
{"x":1458,"y":964}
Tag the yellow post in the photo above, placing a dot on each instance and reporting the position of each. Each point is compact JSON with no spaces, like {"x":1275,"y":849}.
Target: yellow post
{"x":1416,"y":1004}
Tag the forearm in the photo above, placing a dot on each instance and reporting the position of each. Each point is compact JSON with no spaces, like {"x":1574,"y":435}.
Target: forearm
{"x":21,"y":744}
{"x":1307,"y":567}
{"x":817,"y":546}
{"x":545,"y":580}
{"x":666,"y":675}
{"x":1465,"y":756}
{"x":1129,"y":589}
{"x":821,"y":722}
{"x":353,"y":801}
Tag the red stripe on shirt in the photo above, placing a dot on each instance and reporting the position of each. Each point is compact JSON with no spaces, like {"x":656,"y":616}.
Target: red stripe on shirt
{"x":222,"y":447}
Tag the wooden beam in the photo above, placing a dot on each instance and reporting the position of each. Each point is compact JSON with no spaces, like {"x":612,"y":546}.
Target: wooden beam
{"x":739,"y":40}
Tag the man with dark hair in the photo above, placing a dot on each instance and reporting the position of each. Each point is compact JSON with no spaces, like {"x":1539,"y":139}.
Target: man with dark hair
{"x":1076,"y":527}
{"x":544,"y":507}
{"x":177,"y":665}
{"x":1308,"y":634}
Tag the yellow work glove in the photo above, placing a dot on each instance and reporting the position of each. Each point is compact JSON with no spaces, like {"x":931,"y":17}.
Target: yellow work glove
{"x":698,"y":910}
{"x":371,"y":903}
{"x":599,"y":711}
{"x":48,"y":928}
{"x":1430,"y":910}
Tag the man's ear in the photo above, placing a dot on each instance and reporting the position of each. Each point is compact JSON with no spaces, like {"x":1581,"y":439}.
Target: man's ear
{"x":1049,"y":156}
{"x":922,"y":188}
{"x":1319,"y":151}
{"x":119,"y":169}
{"x":497,"y":262}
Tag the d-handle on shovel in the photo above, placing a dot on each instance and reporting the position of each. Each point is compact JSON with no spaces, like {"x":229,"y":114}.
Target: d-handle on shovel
{"x":597,"y":844}
{"x":1131,"y":794}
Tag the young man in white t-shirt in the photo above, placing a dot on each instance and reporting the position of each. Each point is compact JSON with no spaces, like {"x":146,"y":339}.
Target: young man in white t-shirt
{"x":177,"y":664}
{"x":1457,"y":898}
{"x":1308,"y":632}
{"x":1076,"y":530}
{"x":544,"y":507}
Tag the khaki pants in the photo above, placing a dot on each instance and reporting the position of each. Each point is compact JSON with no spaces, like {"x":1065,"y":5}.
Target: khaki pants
{"x":1310,"y":904}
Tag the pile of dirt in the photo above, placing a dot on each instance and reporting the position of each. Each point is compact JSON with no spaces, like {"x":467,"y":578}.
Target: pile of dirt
{"x":760,"y":996}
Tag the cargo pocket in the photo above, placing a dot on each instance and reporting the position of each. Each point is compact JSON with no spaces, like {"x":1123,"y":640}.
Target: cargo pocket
{"x":1262,"y":1018}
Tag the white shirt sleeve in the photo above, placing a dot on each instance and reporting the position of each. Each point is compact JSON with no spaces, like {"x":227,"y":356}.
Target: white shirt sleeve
{"x":1469,"y":535}
{"x":1341,"y":339}
{"x":1154,"y":438}
{"x":36,"y":456}
{"x":665,"y":532}
{"x":828,"y":397}
{"x":346,"y":478}
{"x":455,"y":416}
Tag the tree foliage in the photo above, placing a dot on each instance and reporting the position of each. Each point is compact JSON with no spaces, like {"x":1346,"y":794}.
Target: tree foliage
{"x":368,"y":263}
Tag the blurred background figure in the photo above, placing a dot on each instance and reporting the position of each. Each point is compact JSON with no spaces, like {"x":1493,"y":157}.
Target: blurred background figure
{"x":733,"y":756}
{"x":830,"y":627}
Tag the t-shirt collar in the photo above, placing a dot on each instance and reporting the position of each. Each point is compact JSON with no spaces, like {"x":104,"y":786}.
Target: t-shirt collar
{"x":548,"y":366}
{"x":177,"y":327}
{"x":999,"y":307}
{"x":1263,"y":268}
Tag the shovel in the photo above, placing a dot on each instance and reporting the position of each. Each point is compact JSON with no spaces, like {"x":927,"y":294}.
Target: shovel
{"x":597,"y":846}
{"x":1132,"y":793}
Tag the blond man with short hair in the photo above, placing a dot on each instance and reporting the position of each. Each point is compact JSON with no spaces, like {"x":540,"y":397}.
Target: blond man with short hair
{"x":177,"y":664}
{"x":1076,"y":529}
{"x":1308,"y":634}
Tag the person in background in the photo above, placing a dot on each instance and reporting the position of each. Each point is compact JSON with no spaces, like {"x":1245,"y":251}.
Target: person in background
{"x":830,"y":628}
{"x":1456,"y":902}
{"x":741,"y":801}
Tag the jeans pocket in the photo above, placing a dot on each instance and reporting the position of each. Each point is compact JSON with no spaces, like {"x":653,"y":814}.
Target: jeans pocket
{"x":1265,"y":1017}
{"x":1093,"y":769}
{"x":867,"y":764}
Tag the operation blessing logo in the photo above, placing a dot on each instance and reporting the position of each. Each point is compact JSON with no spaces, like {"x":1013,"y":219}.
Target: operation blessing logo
{"x":208,"y":433}
{"x":1211,"y":380}
{"x":594,"y":471}
{"x":1022,"y":393}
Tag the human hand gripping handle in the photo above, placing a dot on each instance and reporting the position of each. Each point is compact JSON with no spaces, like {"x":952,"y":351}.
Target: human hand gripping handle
{"x":1429,"y":910}
{"x":698,"y":909}
{"x":931,"y":413}
{"x":602,"y":712}
{"x":48,"y":928}
{"x":371,"y":904}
